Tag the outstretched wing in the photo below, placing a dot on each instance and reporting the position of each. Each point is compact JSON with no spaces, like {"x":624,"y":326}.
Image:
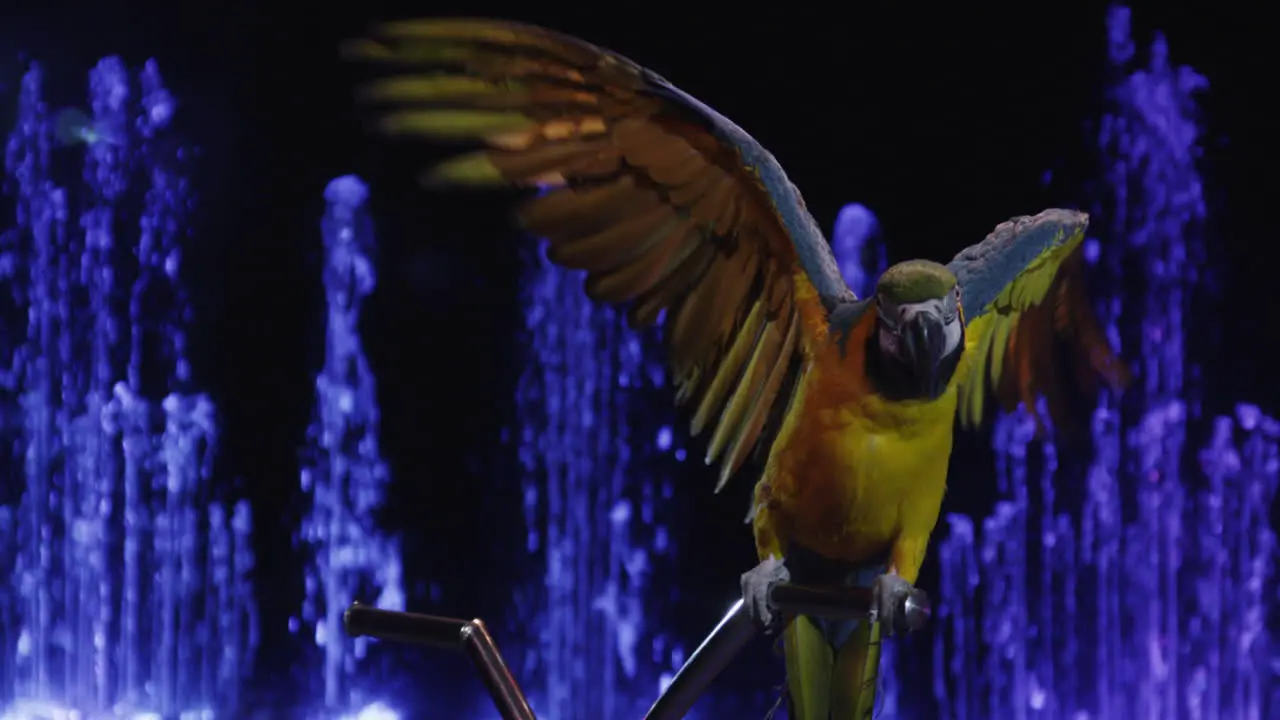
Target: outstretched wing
{"x":1033,"y":332}
{"x":666,"y":204}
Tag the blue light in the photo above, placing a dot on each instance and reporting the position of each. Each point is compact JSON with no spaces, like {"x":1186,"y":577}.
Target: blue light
{"x":593,"y":506}
{"x":1080,"y":606}
{"x":343,"y":473}
{"x":858,"y":248}
{"x":664,"y":438}
{"x":373,"y":711}
{"x":129,"y":573}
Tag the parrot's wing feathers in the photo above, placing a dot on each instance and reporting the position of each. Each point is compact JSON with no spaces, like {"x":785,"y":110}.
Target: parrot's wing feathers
{"x":1025,"y":287}
{"x":663,"y":202}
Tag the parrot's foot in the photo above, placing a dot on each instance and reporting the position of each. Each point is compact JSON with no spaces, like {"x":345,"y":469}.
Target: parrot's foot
{"x":889,"y":594}
{"x":756,"y":584}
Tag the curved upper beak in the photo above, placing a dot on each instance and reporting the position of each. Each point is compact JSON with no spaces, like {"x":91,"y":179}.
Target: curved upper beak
{"x":924,"y":342}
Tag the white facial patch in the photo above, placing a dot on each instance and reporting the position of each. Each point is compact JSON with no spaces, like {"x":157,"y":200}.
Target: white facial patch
{"x":954,"y":330}
{"x":895,"y":316}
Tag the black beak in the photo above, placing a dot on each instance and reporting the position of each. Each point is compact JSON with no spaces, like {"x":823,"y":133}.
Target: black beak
{"x":924,"y":342}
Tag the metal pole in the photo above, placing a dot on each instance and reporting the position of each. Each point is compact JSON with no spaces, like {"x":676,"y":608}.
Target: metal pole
{"x":853,"y":603}
{"x":467,"y":635}
{"x":484,"y":654}
{"x":362,"y":620}
{"x":729,"y":637}
{"x":715,"y":653}
{"x":736,"y":629}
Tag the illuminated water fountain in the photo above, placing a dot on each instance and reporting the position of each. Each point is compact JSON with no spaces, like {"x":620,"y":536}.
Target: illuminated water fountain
{"x":859,"y":248}
{"x":595,"y":494}
{"x":343,"y":473}
{"x":127,"y":574}
{"x":1147,"y":597}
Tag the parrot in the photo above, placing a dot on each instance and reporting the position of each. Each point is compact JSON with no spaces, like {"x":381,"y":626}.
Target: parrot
{"x":847,"y":406}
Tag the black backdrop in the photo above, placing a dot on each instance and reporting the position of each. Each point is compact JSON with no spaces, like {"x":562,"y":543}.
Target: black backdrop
{"x":942,"y":121}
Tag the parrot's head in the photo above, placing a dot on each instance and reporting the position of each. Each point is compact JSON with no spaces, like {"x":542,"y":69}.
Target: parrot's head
{"x":919,"y":333}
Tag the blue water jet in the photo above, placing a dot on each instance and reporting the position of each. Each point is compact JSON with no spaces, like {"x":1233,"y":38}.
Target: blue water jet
{"x":129,"y":576}
{"x":344,"y":476}
{"x":596,"y":505}
{"x":1148,"y":598}
{"x":859,"y":248}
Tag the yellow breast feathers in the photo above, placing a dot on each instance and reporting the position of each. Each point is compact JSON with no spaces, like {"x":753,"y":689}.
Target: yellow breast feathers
{"x":852,"y":470}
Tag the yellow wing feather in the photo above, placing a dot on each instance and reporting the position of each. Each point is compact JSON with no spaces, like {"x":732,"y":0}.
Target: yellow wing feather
{"x":1038,"y":325}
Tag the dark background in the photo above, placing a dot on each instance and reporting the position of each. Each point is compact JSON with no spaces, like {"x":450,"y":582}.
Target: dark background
{"x":943,"y":121}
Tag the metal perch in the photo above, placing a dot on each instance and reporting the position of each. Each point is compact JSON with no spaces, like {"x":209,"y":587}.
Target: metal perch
{"x":468,"y":635}
{"x":715,"y":653}
{"x":736,"y":629}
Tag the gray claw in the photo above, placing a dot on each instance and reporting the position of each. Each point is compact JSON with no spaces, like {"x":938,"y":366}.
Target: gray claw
{"x":889,"y":594}
{"x":756,"y":584}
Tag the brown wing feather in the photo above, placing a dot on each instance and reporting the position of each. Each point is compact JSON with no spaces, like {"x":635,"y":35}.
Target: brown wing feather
{"x":640,"y":195}
{"x":1043,"y":342}
{"x":1069,"y":356}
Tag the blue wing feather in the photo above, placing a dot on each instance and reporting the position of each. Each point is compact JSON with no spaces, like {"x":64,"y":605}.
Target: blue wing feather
{"x":986,"y":269}
{"x":811,"y":245}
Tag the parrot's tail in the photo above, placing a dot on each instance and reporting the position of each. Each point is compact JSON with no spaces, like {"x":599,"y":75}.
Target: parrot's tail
{"x":856,"y":675}
{"x":828,"y":684}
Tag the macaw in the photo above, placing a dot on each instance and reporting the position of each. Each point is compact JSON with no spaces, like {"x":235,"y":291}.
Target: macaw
{"x":672,"y":208}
